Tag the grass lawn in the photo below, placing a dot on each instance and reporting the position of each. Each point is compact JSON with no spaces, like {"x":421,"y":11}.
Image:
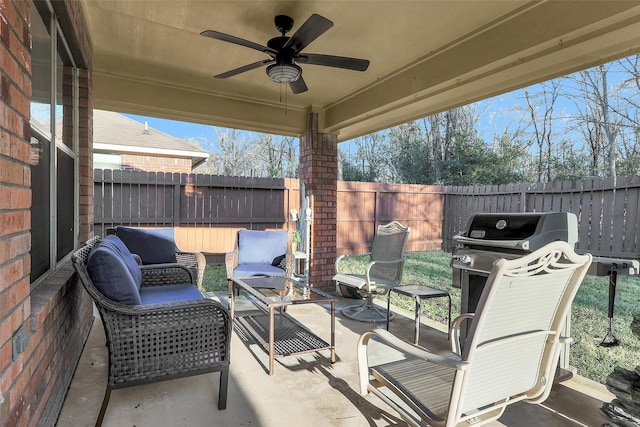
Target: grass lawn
{"x":589,"y":320}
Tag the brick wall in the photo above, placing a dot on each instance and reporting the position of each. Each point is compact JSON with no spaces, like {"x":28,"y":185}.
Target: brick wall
{"x":155,"y":164}
{"x":15,"y":201}
{"x":56,"y":317}
{"x":319,"y":173}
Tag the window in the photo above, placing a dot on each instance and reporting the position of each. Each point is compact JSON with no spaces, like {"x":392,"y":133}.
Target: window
{"x":54,"y":158}
{"x":107,"y":161}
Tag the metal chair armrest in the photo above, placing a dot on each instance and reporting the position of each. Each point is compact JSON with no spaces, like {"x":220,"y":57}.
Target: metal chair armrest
{"x":454,"y":331}
{"x":344,"y":257}
{"x":369,"y":279}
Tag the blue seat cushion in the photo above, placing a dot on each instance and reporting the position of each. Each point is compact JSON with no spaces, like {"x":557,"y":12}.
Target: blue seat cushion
{"x":261,"y":247}
{"x":153,"y":245}
{"x":169,"y":293}
{"x":111,"y":276}
{"x":246,"y":270}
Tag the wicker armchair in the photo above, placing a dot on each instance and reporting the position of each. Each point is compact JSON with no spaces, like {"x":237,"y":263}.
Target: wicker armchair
{"x":196,"y":261}
{"x":157,"y":342}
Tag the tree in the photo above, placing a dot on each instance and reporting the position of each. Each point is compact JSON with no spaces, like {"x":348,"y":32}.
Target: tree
{"x":411,"y":154}
{"x":277,"y":157}
{"x":236,"y":153}
{"x":628,"y":108}
{"x":475,"y":163}
{"x":540,"y":106}
{"x":372,"y":157}
{"x":347,"y":171}
{"x":262,"y":155}
{"x":596,"y":118}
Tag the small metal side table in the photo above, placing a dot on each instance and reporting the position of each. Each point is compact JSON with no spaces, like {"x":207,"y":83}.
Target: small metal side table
{"x":419,"y":292}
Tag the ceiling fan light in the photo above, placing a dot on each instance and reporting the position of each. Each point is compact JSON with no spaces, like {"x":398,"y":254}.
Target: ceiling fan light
{"x":284,"y":73}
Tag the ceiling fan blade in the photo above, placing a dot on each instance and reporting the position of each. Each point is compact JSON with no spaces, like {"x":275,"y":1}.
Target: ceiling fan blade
{"x":237,"y":40}
{"x":334,"y":61}
{"x":244,"y":68}
{"x":313,"y":28}
{"x":298,"y":86}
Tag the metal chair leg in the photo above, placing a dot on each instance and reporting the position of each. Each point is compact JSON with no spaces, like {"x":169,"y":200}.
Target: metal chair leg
{"x":103,"y":408}
{"x":222,"y":393}
{"x":367,"y":311}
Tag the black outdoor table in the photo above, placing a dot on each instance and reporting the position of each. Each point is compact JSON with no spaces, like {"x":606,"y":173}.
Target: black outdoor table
{"x":418,"y":293}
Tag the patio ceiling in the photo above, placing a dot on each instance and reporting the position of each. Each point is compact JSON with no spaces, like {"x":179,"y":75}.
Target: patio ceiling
{"x":426,"y":56}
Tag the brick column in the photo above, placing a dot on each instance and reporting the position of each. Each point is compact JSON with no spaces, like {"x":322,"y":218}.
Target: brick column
{"x":319,"y":174}
{"x":85,"y":154}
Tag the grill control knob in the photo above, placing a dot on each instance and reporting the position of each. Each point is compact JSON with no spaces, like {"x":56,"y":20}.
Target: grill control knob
{"x":463,"y":259}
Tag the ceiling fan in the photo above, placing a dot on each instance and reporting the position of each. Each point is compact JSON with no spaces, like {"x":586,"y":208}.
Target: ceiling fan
{"x":286,"y":52}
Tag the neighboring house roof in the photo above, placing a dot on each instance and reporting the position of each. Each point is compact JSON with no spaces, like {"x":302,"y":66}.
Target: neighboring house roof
{"x":115,"y":133}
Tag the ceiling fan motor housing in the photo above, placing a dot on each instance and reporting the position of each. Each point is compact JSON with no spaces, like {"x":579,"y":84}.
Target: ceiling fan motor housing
{"x":277,"y":43}
{"x":284,"y":23}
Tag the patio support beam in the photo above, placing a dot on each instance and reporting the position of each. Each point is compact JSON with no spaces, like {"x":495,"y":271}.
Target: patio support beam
{"x":319,"y":173}
{"x":156,"y":98}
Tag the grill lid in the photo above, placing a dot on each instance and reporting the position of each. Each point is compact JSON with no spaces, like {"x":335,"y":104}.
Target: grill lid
{"x":523,"y":231}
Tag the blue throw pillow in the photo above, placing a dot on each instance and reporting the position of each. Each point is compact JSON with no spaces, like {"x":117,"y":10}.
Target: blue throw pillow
{"x":279,"y":260}
{"x":111,"y":276}
{"x":153,"y":245}
{"x":121,"y":249}
{"x":261,"y":247}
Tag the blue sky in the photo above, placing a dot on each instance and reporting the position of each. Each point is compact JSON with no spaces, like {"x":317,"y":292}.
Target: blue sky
{"x":182,"y":130}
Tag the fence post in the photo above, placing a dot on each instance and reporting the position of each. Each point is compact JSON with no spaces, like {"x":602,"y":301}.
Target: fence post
{"x":176,"y":202}
{"x":376,"y":220}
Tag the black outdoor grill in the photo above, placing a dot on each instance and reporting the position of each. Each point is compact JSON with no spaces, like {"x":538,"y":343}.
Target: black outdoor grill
{"x":491,"y":236}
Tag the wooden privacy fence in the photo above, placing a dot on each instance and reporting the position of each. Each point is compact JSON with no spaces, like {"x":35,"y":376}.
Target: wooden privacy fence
{"x":207,"y":210}
{"x":362,"y":206}
{"x":607,"y":210}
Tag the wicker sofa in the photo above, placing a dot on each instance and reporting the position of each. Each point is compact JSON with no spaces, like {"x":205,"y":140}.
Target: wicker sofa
{"x":173,"y":332}
{"x":158,"y":246}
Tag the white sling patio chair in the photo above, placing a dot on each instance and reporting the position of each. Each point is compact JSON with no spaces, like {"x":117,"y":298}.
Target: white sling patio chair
{"x":383,"y":272}
{"x":510,"y":354}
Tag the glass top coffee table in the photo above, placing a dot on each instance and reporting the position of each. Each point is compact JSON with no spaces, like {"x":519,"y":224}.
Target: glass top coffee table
{"x":278,"y":333}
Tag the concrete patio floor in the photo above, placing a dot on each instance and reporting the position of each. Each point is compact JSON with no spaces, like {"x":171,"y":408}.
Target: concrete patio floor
{"x":306,"y":390}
